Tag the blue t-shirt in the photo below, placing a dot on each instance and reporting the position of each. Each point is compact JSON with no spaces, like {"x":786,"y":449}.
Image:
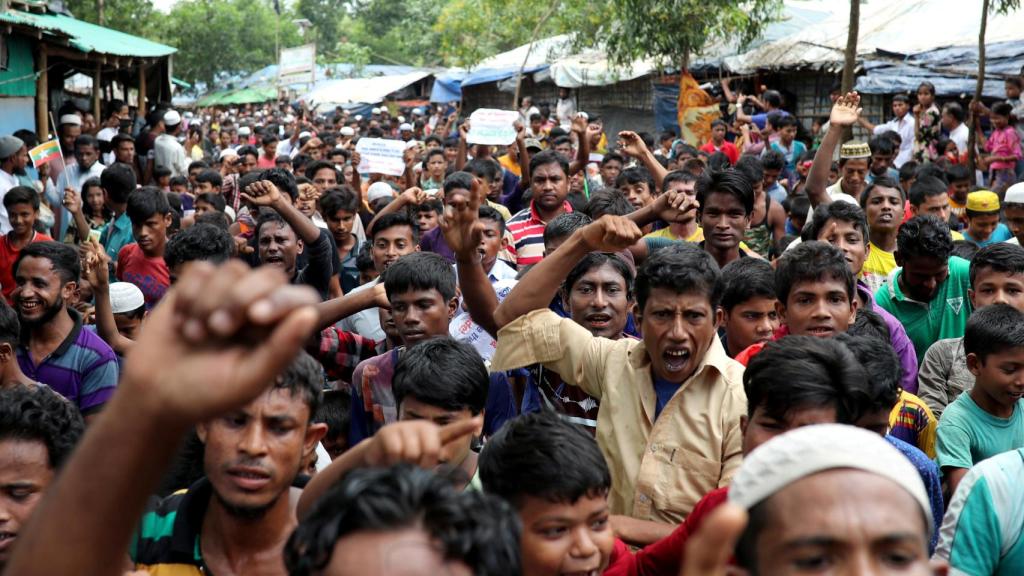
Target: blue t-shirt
{"x":1000,"y":234}
{"x":967,"y":434}
{"x":664,"y":390}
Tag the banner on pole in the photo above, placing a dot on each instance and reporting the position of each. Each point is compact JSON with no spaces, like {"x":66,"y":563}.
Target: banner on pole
{"x":492,"y":127}
{"x":297,"y":65}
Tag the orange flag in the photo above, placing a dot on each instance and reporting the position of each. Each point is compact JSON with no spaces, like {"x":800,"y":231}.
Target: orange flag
{"x":696,"y":111}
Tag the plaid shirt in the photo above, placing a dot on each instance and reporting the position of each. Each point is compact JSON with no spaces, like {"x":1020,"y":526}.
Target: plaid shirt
{"x":340,"y":352}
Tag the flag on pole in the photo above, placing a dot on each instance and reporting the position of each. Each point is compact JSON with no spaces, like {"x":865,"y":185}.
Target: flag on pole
{"x":44,"y":153}
{"x":696,"y":111}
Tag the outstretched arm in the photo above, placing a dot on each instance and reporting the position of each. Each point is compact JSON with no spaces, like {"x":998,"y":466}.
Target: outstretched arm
{"x":228,"y":325}
{"x":608,"y":234}
{"x":96,"y":272}
{"x":844,"y":113}
{"x":463,"y":232}
{"x":265,"y":193}
{"x":633,"y":145}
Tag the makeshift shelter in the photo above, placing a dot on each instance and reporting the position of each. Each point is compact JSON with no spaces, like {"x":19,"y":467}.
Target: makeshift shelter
{"x":44,"y":47}
{"x":347,"y":91}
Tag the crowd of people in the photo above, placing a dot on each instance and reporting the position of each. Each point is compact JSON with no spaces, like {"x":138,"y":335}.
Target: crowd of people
{"x":227,"y":348}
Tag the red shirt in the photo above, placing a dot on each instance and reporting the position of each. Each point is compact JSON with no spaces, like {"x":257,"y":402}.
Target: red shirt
{"x":527,"y":231}
{"x":728,"y":148}
{"x":666,"y":555}
{"x":8,"y":256}
{"x":149,"y":274}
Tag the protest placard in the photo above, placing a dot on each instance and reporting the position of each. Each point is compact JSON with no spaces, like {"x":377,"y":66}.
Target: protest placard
{"x":380,"y":156}
{"x":492,"y":127}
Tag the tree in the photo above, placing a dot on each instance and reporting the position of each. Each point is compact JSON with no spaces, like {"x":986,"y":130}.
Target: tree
{"x":325,"y":15}
{"x":130,"y":16}
{"x":850,"y":60}
{"x":999,"y":7}
{"x":216,"y":37}
{"x":397,"y":32}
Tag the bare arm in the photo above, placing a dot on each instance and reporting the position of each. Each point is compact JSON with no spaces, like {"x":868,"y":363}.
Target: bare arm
{"x":608,"y":234}
{"x":463,"y":232}
{"x":844,"y":113}
{"x":633,"y":145}
{"x":233,"y":326}
{"x":579,"y":127}
{"x":265,"y":193}
{"x":331,"y":311}
{"x":73,"y":202}
{"x":97,"y":274}
{"x":460,"y":155}
{"x":640,"y":532}
{"x":410,"y":197}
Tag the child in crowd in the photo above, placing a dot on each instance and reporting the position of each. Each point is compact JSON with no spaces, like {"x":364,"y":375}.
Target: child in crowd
{"x":930,"y":196}
{"x":1002,"y":145}
{"x":883,"y":203}
{"x":142,"y":263}
{"x":208,"y":181}
{"x":717,"y":143}
{"x":983,"y":225}
{"x":210,"y":202}
{"x":959,"y":186}
{"x":94,"y":210}
{"x":791,"y":148}
{"x":340,"y":208}
{"x":749,"y":306}
{"x":987,"y":420}
{"x":427,"y":214}
{"x":22,"y":205}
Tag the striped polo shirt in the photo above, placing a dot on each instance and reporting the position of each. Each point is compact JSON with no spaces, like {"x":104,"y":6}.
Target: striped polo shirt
{"x":527,"y":231}
{"x":83,"y":368}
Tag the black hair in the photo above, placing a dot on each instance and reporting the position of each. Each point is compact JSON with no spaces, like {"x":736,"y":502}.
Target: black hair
{"x":21,"y":195}
{"x":420,"y":271}
{"x":337,"y":199}
{"x":529,"y":456}
{"x":213,"y":199}
{"x":268,"y":139}
{"x":927,"y":86}
{"x":772,"y":98}
{"x":471,"y":527}
{"x":214,"y":218}
{"x":607,"y":201}
{"x":595,"y":260}
{"x":549,"y":157}
{"x":677,"y":176}
{"x":901,"y":98}
{"x":431,"y":153}
{"x":875,"y":354}
{"x":719,"y":162}
{"x":335,"y":411}
{"x":283,"y":179}
{"x":784,"y":121}
{"x":198,"y":164}
{"x":392,"y":220}
{"x":957,"y":172}
{"x":86,"y":140}
{"x":745,"y":279}
{"x":841,"y":211}
{"x":556,"y":142}
{"x":458,"y":181}
{"x":300,"y":161}
{"x":908,"y":170}
{"x":881,"y":145}
{"x":211,"y":176}
{"x":114,"y":107}
{"x":37,"y":413}
{"x":719,"y":122}
{"x":729,"y":181}
{"x":612,"y":157}
{"x":993,"y":329}
{"x":444,"y":373}
{"x":317,"y":165}
{"x":964,"y":249}
{"x":773,"y":160}
{"x":682,"y":268}
{"x":926,"y":187}
{"x":924,"y":236}
{"x":160,"y":171}
{"x":364,"y":259}
{"x":812,"y":261}
{"x":203,"y":242}
{"x":433,"y":138}
{"x":488,"y":213}
{"x":10,"y":326}
{"x":118,"y":181}
{"x":999,"y":257}
{"x":797,"y":206}
{"x":147,"y":202}
{"x":179,"y":181}
{"x":304,"y":376}
{"x":486,"y":168}
{"x":804,"y":371}
{"x":248,"y":150}
{"x":637,"y":175}
{"x":431,"y":205}
{"x":880,"y":182}
{"x":63,"y":258}
{"x":563,"y":225}
{"x":752,"y":168}
{"x":955,"y":110}
{"x":119,"y":138}
{"x":999,"y":109}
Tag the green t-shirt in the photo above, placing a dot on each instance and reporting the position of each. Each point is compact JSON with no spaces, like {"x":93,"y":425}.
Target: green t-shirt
{"x":928,"y":322}
{"x":967,"y":434}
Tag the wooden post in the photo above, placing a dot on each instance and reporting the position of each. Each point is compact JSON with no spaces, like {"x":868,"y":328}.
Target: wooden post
{"x":42,"y":96}
{"x":97,"y":91}
{"x":142,"y":89}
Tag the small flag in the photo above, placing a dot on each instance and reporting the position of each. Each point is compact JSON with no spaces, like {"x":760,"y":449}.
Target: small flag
{"x":44,"y":153}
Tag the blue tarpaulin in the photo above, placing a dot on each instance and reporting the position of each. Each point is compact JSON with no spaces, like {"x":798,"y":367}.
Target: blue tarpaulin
{"x":447,"y":87}
{"x":666,"y":107}
{"x":485,"y":75}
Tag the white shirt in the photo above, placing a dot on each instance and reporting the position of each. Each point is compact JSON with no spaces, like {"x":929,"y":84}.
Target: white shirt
{"x":836,"y":193}
{"x":564,"y":112}
{"x":366,"y":323}
{"x":959,"y":136}
{"x":72,"y":177}
{"x":169,"y":153}
{"x":906,"y":127}
{"x":7,"y":181}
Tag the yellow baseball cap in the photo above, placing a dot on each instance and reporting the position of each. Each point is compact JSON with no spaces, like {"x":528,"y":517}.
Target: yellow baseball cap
{"x":983,"y":201}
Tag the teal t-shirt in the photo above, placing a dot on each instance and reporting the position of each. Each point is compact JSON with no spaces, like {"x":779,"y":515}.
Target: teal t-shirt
{"x":967,"y":434}
{"x":928,"y":322}
{"x":981,"y":533}
{"x":1000,"y":234}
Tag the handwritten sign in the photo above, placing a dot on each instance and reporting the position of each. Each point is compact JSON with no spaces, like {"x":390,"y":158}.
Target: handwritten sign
{"x":380,"y":156}
{"x":492,"y":127}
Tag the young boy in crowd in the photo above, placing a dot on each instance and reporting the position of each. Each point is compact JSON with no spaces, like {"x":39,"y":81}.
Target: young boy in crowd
{"x":340,"y":208}
{"x":997,"y":277}
{"x":421,"y":288}
{"x":210,"y":202}
{"x":791,"y":148}
{"x":929,"y":196}
{"x":668,"y":375}
{"x":983,"y":225}
{"x":987,"y":420}
{"x":883,"y":202}
{"x":749,"y":306}
{"x":427,"y":215}
{"x":959,"y":186}
{"x":928,"y":273}
{"x":725,"y":202}
{"x":637,"y":185}
{"x":142,"y":263}
{"x":22,"y":205}
{"x":208,"y":181}
{"x":441,"y":382}
{"x":335,"y":411}
{"x":717,"y":143}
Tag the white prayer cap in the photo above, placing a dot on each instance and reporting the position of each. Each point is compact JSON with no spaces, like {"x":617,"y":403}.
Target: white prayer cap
{"x":347,"y":131}
{"x":1014,"y":194}
{"x":305,"y":134}
{"x":359,"y":117}
{"x":401,"y":119}
{"x":125,"y":297}
{"x":227,"y":152}
{"x":375,"y":111}
{"x":244,"y":131}
{"x":379,"y":190}
{"x":9,"y":146}
{"x":417,"y":112}
{"x":72,"y":119}
{"x":406,"y":127}
{"x":808,"y":450}
{"x":172,"y":118}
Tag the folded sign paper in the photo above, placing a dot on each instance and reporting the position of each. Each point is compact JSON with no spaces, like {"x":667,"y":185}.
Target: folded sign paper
{"x":380,"y":156}
{"x":492,"y":127}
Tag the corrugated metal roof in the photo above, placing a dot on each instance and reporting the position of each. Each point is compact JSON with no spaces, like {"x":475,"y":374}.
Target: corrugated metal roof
{"x":88,"y":37}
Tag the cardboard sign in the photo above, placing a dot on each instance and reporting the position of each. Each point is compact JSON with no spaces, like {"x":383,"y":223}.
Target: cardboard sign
{"x":492,"y":127}
{"x":380,"y":156}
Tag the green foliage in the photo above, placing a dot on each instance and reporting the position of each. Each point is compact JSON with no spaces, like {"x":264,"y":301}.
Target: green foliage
{"x":131,"y":16}
{"x":325,"y":15}
{"x":229,"y":36}
{"x":396,"y":31}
